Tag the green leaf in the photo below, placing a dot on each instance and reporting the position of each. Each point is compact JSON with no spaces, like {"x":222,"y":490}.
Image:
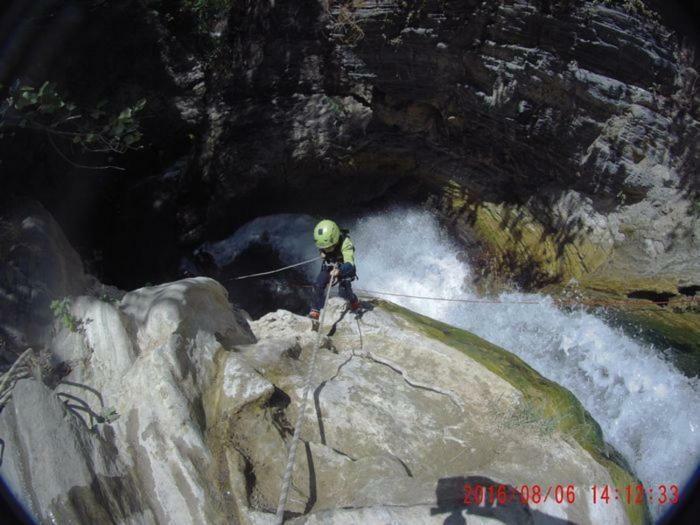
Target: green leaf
{"x":126,"y":114}
{"x":132,"y":138}
{"x":139,"y":105}
{"x":76,"y":139}
{"x":48,"y":108}
{"x":43,"y":88}
{"x":29,"y":97}
{"x":109,"y":414}
{"x":118,"y":130}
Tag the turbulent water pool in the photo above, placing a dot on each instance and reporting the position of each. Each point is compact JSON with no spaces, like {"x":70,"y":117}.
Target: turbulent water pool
{"x":646,"y":407}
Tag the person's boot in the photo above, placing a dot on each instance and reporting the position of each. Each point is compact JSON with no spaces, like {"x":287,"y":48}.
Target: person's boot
{"x":314,"y":315}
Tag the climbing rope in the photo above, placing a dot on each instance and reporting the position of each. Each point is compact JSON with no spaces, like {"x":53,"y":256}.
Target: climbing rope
{"x":20,"y":369}
{"x":286,"y":479}
{"x":560,"y":301}
{"x":273,"y":271}
{"x":287,"y":476}
{"x":452,"y":299}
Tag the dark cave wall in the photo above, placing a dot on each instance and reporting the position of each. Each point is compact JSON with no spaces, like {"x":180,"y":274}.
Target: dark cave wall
{"x":121,"y":221}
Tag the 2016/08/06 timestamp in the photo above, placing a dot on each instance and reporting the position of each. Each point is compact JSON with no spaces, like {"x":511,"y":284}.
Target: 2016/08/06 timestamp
{"x":525,"y":494}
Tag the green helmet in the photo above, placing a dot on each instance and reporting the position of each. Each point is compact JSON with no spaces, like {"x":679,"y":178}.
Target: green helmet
{"x":326,"y":234}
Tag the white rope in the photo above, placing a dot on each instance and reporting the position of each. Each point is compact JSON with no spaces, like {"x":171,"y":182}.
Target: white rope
{"x":274,"y":271}
{"x":9,"y":378}
{"x":286,"y":479}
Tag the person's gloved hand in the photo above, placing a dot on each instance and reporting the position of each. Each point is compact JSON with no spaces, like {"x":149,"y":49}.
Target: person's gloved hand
{"x":323,"y":254}
{"x":335,"y":272}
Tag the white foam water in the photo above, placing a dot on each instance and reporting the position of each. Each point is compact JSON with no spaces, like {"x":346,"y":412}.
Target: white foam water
{"x":647,"y":409}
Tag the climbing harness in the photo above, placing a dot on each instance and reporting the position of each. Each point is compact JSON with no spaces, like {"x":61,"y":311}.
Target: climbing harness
{"x":286,"y":480}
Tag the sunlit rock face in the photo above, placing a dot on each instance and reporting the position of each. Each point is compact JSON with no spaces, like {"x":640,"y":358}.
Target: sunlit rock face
{"x":177,"y":407}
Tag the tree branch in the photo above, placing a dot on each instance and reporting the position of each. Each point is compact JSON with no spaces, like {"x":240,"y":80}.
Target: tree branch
{"x":81,"y":166}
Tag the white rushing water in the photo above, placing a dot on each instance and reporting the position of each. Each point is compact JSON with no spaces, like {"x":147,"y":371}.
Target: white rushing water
{"x":647,"y":409}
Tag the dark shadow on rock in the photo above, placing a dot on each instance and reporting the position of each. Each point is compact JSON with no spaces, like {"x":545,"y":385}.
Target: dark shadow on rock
{"x":277,"y":404}
{"x":456,"y":495}
{"x":260,"y":295}
{"x":312,"y":479}
{"x":319,"y":417}
{"x":334,"y":327}
{"x":364,"y":308}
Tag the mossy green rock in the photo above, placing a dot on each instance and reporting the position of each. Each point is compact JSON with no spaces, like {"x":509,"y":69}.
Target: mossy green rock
{"x":520,"y":246}
{"x":551,"y":399}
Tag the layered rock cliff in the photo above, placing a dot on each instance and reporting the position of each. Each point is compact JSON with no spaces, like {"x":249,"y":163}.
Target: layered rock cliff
{"x":561,"y":137}
{"x":558,"y":138}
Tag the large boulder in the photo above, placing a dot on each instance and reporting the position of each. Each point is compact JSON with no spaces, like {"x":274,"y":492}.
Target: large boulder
{"x":37,"y":265}
{"x":137,"y":372}
{"x":395,"y":414}
{"x":59,"y":469}
{"x":177,"y":408}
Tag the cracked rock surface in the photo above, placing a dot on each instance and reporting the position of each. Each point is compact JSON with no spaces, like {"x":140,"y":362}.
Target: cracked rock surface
{"x":392,"y":413}
{"x":206,"y":403}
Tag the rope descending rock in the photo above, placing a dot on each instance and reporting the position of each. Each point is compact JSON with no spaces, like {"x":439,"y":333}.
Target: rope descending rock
{"x":286,"y":479}
{"x":17,"y":371}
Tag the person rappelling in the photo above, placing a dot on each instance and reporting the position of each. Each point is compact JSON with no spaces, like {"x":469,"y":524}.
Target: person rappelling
{"x":338,"y":254}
